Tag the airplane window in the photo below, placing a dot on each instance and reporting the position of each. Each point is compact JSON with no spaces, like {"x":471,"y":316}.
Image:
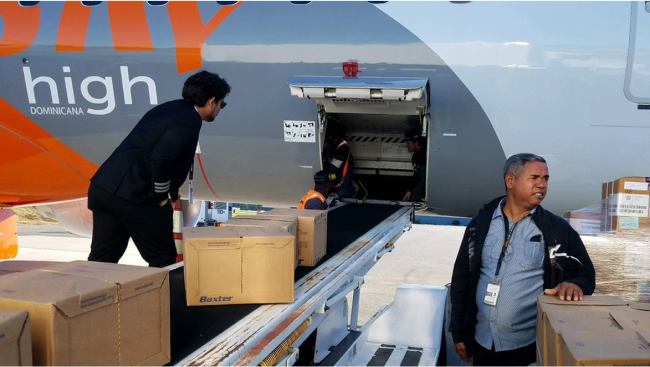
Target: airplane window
{"x":91,"y":3}
{"x":28,"y":4}
{"x":157,"y":3}
{"x":225,"y":3}
{"x":300,"y":2}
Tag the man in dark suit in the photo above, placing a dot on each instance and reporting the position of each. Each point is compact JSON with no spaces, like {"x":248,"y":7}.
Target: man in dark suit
{"x":130,"y":193}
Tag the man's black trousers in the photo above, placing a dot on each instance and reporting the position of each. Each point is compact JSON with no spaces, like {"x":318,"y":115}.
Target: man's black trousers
{"x":115,"y":220}
{"x":518,"y":357}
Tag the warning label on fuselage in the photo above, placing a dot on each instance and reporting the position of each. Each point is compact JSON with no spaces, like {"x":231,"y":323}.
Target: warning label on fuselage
{"x":299,"y":131}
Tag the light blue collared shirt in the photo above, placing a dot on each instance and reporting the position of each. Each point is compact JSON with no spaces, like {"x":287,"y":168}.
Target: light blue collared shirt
{"x":511,"y":323}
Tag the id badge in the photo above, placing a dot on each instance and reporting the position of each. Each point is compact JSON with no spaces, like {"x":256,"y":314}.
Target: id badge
{"x":492,"y":294}
{"x":191,"y":194}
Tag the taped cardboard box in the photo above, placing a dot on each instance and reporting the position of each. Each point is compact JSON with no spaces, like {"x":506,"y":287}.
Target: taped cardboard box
{"x":547,"y":303}
{"x":15,"y":338}
{"x":289,"y":224}
{"x":74,"y":318}
{"x":238,"y":265}
{"x":589,"y":319}
{"x":605,"y":348}
{"x":312,"y":233}
{"x":143,"y":304}
{"x":88,"y":315}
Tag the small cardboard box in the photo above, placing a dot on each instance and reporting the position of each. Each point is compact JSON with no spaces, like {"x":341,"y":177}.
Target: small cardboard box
{"x":238,"y":265}
{"x":605,"y":348}
{"x":547,"y":303}
{"x":15,"y":338}
{"x":87,"y":313}
{"x":590,"y":319}
{"x":312,"y":233}
{"x":289,"y":224}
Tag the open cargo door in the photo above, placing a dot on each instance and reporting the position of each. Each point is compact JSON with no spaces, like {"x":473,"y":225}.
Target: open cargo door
{"x":376,"y":112}
{"x":364,"y":95}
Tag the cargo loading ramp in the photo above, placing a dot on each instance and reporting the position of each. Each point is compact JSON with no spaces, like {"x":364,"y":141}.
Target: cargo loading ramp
{"x":358,"y":236}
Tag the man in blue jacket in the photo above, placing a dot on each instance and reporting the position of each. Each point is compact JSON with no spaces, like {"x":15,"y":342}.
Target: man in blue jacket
{"x":512,"y":252}
{"x":130,"y":193}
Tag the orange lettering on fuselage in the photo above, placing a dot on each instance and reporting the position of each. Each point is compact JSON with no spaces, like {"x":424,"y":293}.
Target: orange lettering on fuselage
{"x":190,"y":33}
{"x":129,"y":28}
{"x":128,"y":22}
{"x":20,"y":27}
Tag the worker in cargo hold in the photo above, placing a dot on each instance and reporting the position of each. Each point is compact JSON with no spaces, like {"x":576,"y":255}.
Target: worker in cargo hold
{"x":416,"y":144}
{"x":321,"y":197}
{"x":131,"y":193}
{"x":340,"y":160}
{"x":513,"y":251}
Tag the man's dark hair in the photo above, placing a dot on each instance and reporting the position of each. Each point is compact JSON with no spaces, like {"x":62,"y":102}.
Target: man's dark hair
{"x":516,"y":163}
{"x":202,"y":86}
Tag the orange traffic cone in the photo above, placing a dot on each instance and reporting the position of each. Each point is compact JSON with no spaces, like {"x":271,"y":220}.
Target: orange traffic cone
{"x":178,"y":228}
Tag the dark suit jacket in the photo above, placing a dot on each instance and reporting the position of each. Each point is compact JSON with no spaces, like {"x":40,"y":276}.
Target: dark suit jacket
{"x":155,"y":158}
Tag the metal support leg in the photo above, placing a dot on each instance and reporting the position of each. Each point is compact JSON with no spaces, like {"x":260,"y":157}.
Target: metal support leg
{"x":354,"y":320}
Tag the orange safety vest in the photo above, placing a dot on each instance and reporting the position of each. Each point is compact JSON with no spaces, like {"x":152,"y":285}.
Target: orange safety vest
{"x":345,"y":167}
{"x":312,"y":194}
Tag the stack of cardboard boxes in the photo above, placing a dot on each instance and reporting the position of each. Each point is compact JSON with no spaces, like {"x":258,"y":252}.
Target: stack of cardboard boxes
{"x":252,"y":259}
{"x":87,"y":313}
{"x":625,"y":204}
{"x":311,"y":239}
{"x":601,"y":330}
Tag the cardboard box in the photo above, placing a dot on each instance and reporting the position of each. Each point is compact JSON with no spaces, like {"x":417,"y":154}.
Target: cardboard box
{"x":143,"y":304}
{"x":15,"y":338}
{"x":19,"y":266}
{"x":85,"y":313}
{"x":589,"y":319}
{"x":312,"y":233}
{"x":605,"y":348}
{"x":238,"y":265}
{"x":626,"y":204}
{"x":550,"y":303}
{"x":289,"y":224}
